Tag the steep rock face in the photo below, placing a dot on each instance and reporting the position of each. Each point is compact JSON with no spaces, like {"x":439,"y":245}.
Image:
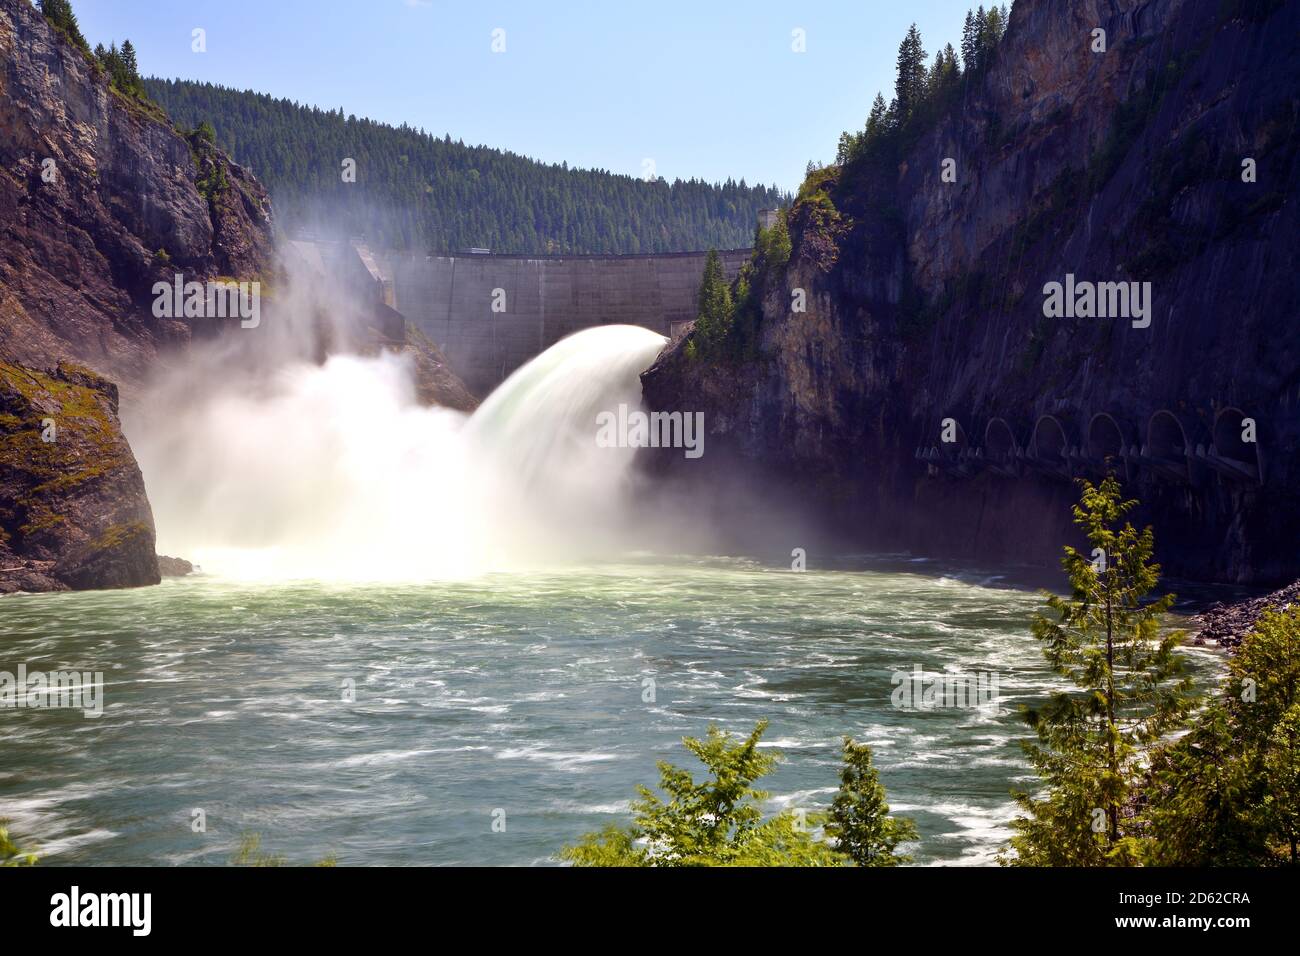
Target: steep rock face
{"x":99,"y":198}
{"x":925,"y":300}
{"x":73,"y":511}
{"x":435,"y":382}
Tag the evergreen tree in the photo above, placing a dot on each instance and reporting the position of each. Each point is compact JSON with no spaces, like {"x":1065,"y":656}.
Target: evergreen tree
{"x":968,"y":47}
{"x":1224,"y":794}
{"x":909,"y":87}
{"x":878,"y":119}
{"x":716,"y":822}
{"x":434,"y":194}
{"x":128,"y":60}
{"x":1282,"y":776}
{"x":934,"y":79}
{"x":990,"y":36}
{"x":849,"y":147}
{"x":773,"y":246}
{"x":714,"y":311}
{"x":859,"y":818}
{"x":1106,"y":639}
{"x":60,"y":15}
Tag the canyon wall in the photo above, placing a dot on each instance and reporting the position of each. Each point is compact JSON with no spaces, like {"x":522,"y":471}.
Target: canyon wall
{"x":99,"y":198}
{"x":925,"y":398}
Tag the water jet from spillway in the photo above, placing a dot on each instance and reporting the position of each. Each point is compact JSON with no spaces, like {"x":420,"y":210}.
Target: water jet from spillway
{"x":334,"y":471}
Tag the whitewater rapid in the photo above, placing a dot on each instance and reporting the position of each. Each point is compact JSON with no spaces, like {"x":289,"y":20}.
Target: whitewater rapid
{"x":335,"y":471}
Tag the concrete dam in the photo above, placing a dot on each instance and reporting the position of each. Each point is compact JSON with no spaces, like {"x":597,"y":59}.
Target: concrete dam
{"x":491,"y":313}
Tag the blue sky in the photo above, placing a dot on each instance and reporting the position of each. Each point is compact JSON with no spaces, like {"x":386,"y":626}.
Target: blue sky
{"x":706,"y":88}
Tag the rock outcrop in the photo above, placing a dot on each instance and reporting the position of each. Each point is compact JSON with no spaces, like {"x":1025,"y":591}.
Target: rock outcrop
{"x":73,"y":511}
{"x":1228,"y":624}
{"x":925,"y":302}
{"x":170,"y":567}
{"x":100,"y":197}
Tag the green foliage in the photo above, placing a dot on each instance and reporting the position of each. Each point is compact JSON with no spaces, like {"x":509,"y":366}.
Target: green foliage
{"x":910,"y":85}
{"x":1107,"y":640}
{"x":61,"y":17}
{"x":729,"y":316}
{"x":716,"y":822}
{"x":432,"y":194}
{"x":122,"y":69}
{"x":1281,"y":809}
{"x":714,"y":307}
{"x":772,"y":246}
{"x":213,"y":182}
{"x":920,"y":94}
{"x":10,"y":853}
{"x":1225,"y":794}
{"x":860,"y":822}
{"x":250,"y":854}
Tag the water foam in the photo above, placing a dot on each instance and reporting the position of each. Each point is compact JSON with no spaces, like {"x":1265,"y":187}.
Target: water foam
{"x":334,"y":471}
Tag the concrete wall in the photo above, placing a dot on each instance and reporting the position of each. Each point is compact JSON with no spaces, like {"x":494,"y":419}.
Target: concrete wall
{"x":546,"y":298}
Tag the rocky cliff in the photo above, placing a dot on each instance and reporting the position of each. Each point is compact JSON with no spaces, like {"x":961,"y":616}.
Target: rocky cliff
{"x":100,"y":197}
{"x":73,"y":511}
{"x":926,"y":398}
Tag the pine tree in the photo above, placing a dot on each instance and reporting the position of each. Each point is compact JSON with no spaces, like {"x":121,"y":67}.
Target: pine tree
{"x":128,"y":60}
{"x":1106,"y":639}
{"x":1282,"y":773}
{"x":951,"y":68}
{"x":715,"y":822}
{"x":1224,"y":794}
{"x":59,"y":13}
{"x":859,"y":818}
{"x":990,"y":36}
{"x":446,"y":196}
{"x":909,"y":87}
{"x":877,"y":120}
{"x":969,"y":50}
{"x":934,"y":79}
{"x":713,"y":319}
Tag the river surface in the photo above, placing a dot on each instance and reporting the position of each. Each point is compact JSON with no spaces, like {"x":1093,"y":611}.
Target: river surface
{"x":534,"y":699}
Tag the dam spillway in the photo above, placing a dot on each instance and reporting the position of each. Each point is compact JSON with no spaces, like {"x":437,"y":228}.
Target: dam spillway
{"x":490,"y":313}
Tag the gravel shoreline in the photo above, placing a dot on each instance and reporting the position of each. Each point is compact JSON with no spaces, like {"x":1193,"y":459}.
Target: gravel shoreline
{"x":1229,"y":623}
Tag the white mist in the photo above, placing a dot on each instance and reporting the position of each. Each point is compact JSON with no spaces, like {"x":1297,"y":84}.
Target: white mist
{"x":336,"y":472}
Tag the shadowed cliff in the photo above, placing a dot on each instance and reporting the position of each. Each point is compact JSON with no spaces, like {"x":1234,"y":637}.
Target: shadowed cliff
{"x":924,"y":399}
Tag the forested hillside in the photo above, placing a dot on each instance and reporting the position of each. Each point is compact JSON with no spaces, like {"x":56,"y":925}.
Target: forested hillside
{"x":415,"y":190}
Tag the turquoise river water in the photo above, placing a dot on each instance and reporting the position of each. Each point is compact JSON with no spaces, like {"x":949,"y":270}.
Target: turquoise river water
{"x":387,"y":724}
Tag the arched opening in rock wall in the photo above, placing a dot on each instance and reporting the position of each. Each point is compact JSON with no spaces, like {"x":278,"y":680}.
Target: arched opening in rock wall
{"x":1235,"y":453}
{"x":1166,"y":437}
